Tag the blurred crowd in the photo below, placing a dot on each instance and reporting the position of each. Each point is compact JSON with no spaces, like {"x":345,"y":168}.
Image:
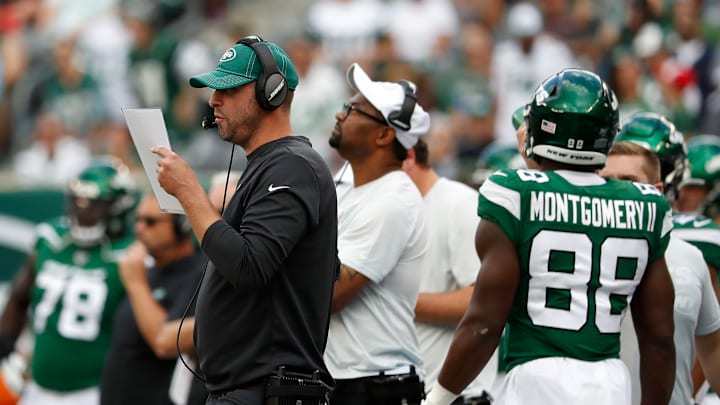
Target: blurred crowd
{"x":67,"y":68}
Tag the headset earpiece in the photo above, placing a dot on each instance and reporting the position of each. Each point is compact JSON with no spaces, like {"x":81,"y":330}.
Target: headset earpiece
{"x":271,"y":87}
{"x":401,"y":118}
{"x":181,"y":227}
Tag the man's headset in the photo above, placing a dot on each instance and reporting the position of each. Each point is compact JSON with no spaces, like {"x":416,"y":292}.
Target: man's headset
{"x":271,"y":87}
{"x":181,"y":227}
{"x":402,"y":117}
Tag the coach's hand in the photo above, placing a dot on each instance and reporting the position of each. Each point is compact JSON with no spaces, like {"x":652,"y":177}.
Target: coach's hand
{"x":174,"y":174}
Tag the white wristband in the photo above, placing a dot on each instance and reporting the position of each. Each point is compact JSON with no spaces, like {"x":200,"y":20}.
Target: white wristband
{"x":439,"y":395}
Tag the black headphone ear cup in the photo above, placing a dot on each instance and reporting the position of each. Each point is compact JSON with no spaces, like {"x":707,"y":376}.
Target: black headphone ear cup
{"x":181,"y":226}
{"x":275,"y":90}
{"x":402,"y":118}
{"x":271,"y":87}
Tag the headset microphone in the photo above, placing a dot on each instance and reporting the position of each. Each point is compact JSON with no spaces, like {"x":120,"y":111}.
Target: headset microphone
{"x":208,"y":122}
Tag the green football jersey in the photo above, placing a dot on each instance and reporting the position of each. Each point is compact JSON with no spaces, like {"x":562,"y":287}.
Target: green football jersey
{"x":583,"y":243}
{"x":702,"y":232}
{"x":74,"y":298}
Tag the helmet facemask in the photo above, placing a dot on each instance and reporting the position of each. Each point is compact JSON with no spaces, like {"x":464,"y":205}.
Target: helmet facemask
{"x":101,"y":199}
{"x":88,"y":220}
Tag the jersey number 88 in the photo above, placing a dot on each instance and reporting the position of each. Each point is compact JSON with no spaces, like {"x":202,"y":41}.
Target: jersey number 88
{"x":614,"y":286}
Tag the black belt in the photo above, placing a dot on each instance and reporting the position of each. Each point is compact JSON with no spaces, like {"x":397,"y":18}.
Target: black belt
{"x":383,"y":388}
{"x":358,"y":385}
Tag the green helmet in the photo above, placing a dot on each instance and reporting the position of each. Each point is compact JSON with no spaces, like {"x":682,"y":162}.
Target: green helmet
{"x":101,"y":199}
{"x":496,"y":157}
{"x":572,"y":119}
{"x":704,"y":170}
{"x":518,"y":117}
{"x":703,"y":160}
{"x":658,"y":134}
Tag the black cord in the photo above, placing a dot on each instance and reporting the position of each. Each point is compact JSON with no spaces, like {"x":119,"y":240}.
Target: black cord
{"x":202,"y":276}
{"x":338,"y":181}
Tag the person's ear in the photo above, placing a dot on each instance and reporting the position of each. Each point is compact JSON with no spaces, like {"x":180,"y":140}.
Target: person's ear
{"x":386,"y":136}
{"x":659,"y":187}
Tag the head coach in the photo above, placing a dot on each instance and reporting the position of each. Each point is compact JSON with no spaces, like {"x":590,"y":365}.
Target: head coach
{"x":263,"y":308}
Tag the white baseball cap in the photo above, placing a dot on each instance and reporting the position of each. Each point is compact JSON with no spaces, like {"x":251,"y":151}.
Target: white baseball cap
{"x":648,"y":41}
{"x":524,"y":20}
{"x":388,"y":98}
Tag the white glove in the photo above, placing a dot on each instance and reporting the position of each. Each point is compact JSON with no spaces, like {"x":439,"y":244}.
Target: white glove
{"x":439,"y":395}
{"x":12,"y":378}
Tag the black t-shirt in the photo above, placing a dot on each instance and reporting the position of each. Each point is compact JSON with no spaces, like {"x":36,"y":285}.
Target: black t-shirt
{"x":133,"y":374}
{"x":265,"y":300}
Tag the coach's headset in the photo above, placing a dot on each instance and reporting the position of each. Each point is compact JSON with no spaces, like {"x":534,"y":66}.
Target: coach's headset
{"x":271,"y":87}
{"x":401,"y":118}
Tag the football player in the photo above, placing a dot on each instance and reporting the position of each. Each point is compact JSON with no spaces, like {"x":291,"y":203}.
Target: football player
{"x":697,"y":314}
{"x":680,"y":181}
{"x":564,"y":254}
{"x":656,"y":133}
{"x":71,"y":284}
{"x":700,"y":190}
{"x":699,"y":198}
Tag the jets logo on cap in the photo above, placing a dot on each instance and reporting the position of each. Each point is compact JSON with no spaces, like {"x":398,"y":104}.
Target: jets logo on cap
{"x":228,"y":55}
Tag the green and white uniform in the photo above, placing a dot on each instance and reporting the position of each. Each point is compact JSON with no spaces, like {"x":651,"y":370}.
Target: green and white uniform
{"x":701,"y":232}
{"x":584,"y":243}
{"x":75,"y":294}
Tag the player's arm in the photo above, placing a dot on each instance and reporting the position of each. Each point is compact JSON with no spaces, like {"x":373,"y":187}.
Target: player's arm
{"x":480,"y":329}
{"x":445,"y":308}
{"x":698,"y":375}
{"x":14,"y":316}
{"x":652,"y":310}
{"x":166,"y":342}
{"x":347,"y":287}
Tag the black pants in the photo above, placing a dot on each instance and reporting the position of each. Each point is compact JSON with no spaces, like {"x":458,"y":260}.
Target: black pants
{"x":354,"y":392}
{"x":237,"y":397}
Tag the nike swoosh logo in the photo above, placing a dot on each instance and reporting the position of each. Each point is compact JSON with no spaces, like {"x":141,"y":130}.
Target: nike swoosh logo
{"x":272,"y":188}
{"x":700,"y":224}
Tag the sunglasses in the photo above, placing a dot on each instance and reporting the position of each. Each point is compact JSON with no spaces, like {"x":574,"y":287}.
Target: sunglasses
{"x":151,"y":221}
{"x":350,"y":108}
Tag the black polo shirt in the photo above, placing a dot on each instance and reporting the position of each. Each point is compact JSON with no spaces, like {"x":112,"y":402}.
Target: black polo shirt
{"x":265,"y":300}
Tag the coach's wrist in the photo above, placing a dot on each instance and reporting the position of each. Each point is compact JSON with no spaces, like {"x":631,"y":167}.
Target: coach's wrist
{"x":439,"y":395}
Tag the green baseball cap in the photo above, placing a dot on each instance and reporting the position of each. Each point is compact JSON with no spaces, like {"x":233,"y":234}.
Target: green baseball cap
{"x":240,"y":65}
